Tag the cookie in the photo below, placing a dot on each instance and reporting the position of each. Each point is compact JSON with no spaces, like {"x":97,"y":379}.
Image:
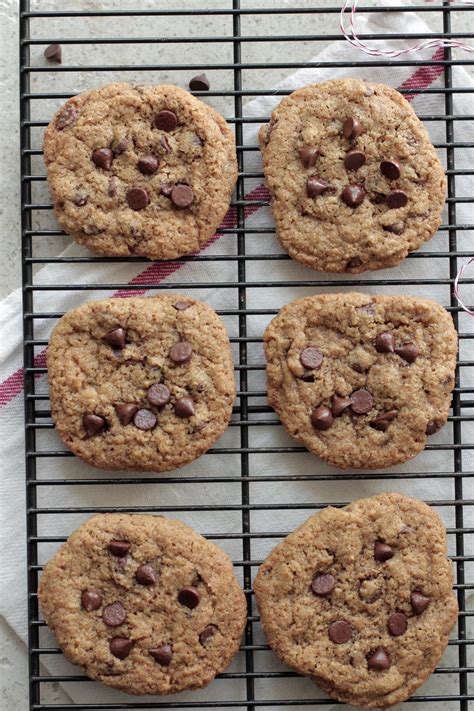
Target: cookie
{"x":360,"y":599}
{"x":360,"y":380}
{"x":137,"y":170}
{"x":355,"y":182}
{"x":140,"y":383}
{"x":143,"y":604}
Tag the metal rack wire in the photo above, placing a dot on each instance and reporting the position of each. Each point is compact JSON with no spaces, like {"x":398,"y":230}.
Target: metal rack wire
{"x":39,"y":27}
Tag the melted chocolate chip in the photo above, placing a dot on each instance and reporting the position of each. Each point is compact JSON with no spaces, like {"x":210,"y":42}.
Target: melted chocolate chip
{"x":362,"y":401}
{"x":81,"y":199}
{"x":184,"y":407}
{"x":351,"y":128}
{"x":181,"y":352}
{"x":94,"y":424}
{"x":91,"y":600}
{"x":199,"y":83}
{"x":354,"y":160}
{"x":408,"y":351}
{"x":207,"y":634}
{"x":66,"y":118}
{"x":354,"y":263}
{"x":383,"y":552}
{"x":115,"y":338}
{"x":112,"y":188}
{"x":396,"y":199}
{"x":391,"y":169}
{"x":119,"y":548}
{"x":353,"y":195}
{"x":165,"y":144}
{"x":322,"y":418}
{"x":148,"y":164}
{"x":432,"y":427}
{"x":383,"y":420}
{"x":385,"y":343}
{"x":103,"y":157}
{"x":126,"y":412}
{"x":181,"y":305}
{"x":119,"y":147}
{"x":189,"y":597}
{"x":309,"y":156}
{"x":145,"y":575}
{"x":340,"y":632}
{"x":378,"y":660}
{"x":311,"y":358}
{"x":397,"y":624}
{"x":158,"y":395}
{"x":162,"y":655}
{"x":340,"y":404}
{"x":114,"y":614}
{"x":323,"y":584}
{"x":419,"y":602}
{"x":182,"y":196}
{"x":120,"y":647}
{"x":137,"y":198}
{"x":166,"y":121}
{"x":144,"y":420}
{"x":396,"y":229}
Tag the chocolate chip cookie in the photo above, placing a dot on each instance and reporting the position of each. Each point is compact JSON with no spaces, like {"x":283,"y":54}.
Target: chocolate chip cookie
{"x":137,"y":170}
{"x":360,"y":599}
{"x":354,"y":179}
{"x":140,"y":383}
{"x":361,"y":381}
{"x":143,"y":604}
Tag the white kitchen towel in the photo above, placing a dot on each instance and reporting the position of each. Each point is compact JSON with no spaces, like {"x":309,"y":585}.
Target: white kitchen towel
{"x":304,"y":494}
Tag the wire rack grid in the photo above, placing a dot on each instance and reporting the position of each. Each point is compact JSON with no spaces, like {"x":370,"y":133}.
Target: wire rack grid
{"x":243,"y":57}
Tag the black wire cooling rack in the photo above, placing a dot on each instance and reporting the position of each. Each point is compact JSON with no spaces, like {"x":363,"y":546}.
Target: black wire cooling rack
{"x":100,"y":42}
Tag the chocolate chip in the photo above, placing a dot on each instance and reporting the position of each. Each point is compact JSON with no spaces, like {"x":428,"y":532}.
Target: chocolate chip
{"x":165,"y":144}
{"x":114,"y":614}
{"x":66,"y":118}
{"x":112,"y":188}
{"x":166,"y":121}
{"x":115,"y":338}
{"x":120,"y":647}
{"x":103,"y":158}
{"x":182,"y":196}
{"x":396,"y":229}
{"x":311,"y":358}
{"x":126,"y":412}
{"x":367,"y":309}
{"x":316,"y":186}
{"x":119,"y":147}
{"x":146,"y":575}
{"x":184,"y":407}
{"x":432,"y":427}
{"x":199,"y":83}
{"x":137,"y":198}
{"x":354,"y":160}
{"x":322,"y":418}
{"x":382,"y":421}
{"x":362,"y":401}
{"x":396,"y":199}
{"x":158,"y":395}
{"x":340,"y":632}
{"x":419,"y":602}
{"x":144,"y":420}
{"x":148,"y":164}
{"x":91,"y":600}
{"x":53,"y":53}
{"x":189,"y":597}
{"x":358,"y":368}
{"x":181,"y":352}
{"x":93,"y":424}
{"x":377,"y":198}
{"x":339,"y":404}
{"x":383,"y":552}
{"x":378,"y":660}
{"x":385,"y":343}
{"x":353,"y":195}
{"x":397,"y":624}
{"x":391,"y":169}
{"x":119,"y":548}
{"x":81,"y":199}
{"x":181,"y":305}
{"x":351,"y":128}
{"x":309,"y":156}
{"x":323,"y":584}
{"x":354,"y":263}
{"x":162,"y":655}
{"x":207,"y":634}
{"x":408,"y":351}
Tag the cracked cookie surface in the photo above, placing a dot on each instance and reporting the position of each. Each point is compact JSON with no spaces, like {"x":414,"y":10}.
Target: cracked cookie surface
{"x":140,"y":383}
{"x":143,"y":604}
{"x":360,"y":599}
{"x":360,"y":380}
{"x":354,"y":180}
{"x":140,"y":170}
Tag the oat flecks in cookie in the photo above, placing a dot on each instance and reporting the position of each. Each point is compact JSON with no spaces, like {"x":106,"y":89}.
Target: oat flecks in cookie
{"x":374,"y":649}
{"x":146,"y":171}
{"x":140,"y":383}
{"x":384,"y":381}
{"x":387,"y":183}
{"x":122,"y":621}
